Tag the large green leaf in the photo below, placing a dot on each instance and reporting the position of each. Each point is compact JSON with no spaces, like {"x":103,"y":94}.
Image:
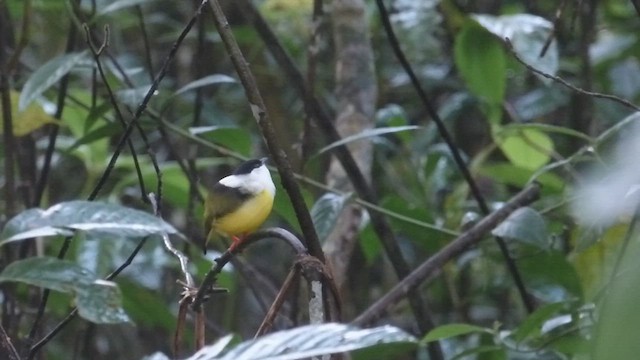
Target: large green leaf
{"x":528,"y":35}
{"x":50,"y":273}
{"x":118,"y":5}
{"x":91,"y":217}
{"x":526,"y":148}
{"x":532,"y":325}
{"x":206,"y":81}
{"x":368,"y":133}
{"x":526,"y":225}
{"x":326,"y":211}
{"x":98,"y":301}
{"x":47,"y":75}
{"x":233,"y":138}
{"x":101,"y":303}
{"x":451,"y":330}
{"x":480,"y":58}
{"x":30,"y":119}
{"x":550,"y":276}
{"x":308,"y":341}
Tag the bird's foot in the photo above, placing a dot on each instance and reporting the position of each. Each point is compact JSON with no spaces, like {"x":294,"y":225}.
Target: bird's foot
{"x":235,"y":242}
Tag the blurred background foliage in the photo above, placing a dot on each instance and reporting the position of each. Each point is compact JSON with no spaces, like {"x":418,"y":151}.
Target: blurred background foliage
{"x":512,"y":126}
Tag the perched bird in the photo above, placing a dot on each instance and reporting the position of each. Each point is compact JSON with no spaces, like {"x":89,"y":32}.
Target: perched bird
{"x":239,"y":203}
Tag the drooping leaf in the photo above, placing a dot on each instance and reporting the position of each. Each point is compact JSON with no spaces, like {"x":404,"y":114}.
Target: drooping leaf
{"x":98,"y":133}
{"x":233,"y":138}
{"x":49,"y":273}
{"x":206,"y":81}
{"x":91,"y":217}
{"x":326,"y":211}
{"x":47,"y":75}
{"x":451,"y":330}
{"x":527,"y":148}
{"x":506,"y":172}
{"x":29,"y":120}
{"x":119,"y":4}
{"x":308,"y":341}
{"x":480,"y":58}
{"x":526,"y":225}
{"x":528,"y":35}
{"x":101,"y":303}
{"x":532,"y":325}
{"x":98,"y":301}
{"x":368,"y":133}
{"x":550,"y":276}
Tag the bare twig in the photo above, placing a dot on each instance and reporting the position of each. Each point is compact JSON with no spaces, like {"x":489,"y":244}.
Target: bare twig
{"x":6,"y":346}
{"x":560,"y":80}
{"x":259,"y":111}
{"x":453,"y":249}
{"x":290,"y":282}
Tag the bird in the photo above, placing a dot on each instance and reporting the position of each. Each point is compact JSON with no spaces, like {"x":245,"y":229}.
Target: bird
{"x":238,"y":204}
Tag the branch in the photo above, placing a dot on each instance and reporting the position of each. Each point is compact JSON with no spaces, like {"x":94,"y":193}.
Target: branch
{"x":454,"y":249}
{"x":259,"y":111}
{"x":560,"y":80}
{"x":220,"y":262}
{"x":6,"y":346}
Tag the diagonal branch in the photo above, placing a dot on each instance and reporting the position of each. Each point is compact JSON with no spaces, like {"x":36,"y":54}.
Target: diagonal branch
{"x":453,"y":249}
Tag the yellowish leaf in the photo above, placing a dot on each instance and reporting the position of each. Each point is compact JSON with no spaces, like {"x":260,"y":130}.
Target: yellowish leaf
{"x":29,"y":120}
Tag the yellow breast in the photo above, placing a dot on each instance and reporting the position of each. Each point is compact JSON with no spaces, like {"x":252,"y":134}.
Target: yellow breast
{"x":248,"y":217}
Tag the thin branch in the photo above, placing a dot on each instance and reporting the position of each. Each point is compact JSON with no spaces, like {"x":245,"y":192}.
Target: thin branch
{"x":289,"y":282}
{"x":220,"y":262}
{"x":560,"y":80}
{"x":452,"y":250}
{"x":6,"y":346}
{"x":259,"y":111}
{"x":145,"y":101}
{"x":457,"y":157}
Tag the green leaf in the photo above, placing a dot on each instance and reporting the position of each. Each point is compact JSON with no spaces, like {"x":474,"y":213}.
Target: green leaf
{"x":29,"y":120}
{"x":91,"y":217}
{"x":525,"y":225}
{"x":47,"y":75}
{"x":550,"y":277}
{"x":326,"y":211}
{"x":451,"y":330}
{"x":527,"y":148}
{"x":49,"y":273}
{"x":101,"y":132}
{"x":532,"y":325}
{"x":101,"y":303}
{"x":235,"y":139}
{"x":528,"y":35}
{"x":368,"y":133}
{"x":206,"y":81}
{"x":480,"y":58}
{"x":98,"y":301}
{"x":119,"y":4}
{"x":510,"y":174}
{"x":308,"y":341}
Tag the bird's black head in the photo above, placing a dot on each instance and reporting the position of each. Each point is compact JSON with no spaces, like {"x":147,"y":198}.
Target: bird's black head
{"x":248,"y":166}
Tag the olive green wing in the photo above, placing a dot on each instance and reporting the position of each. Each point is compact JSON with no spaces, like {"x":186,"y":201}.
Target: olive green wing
{"x":221,"y":200}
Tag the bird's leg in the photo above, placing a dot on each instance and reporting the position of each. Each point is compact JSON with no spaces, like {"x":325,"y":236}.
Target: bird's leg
{"x":235,"y":241}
